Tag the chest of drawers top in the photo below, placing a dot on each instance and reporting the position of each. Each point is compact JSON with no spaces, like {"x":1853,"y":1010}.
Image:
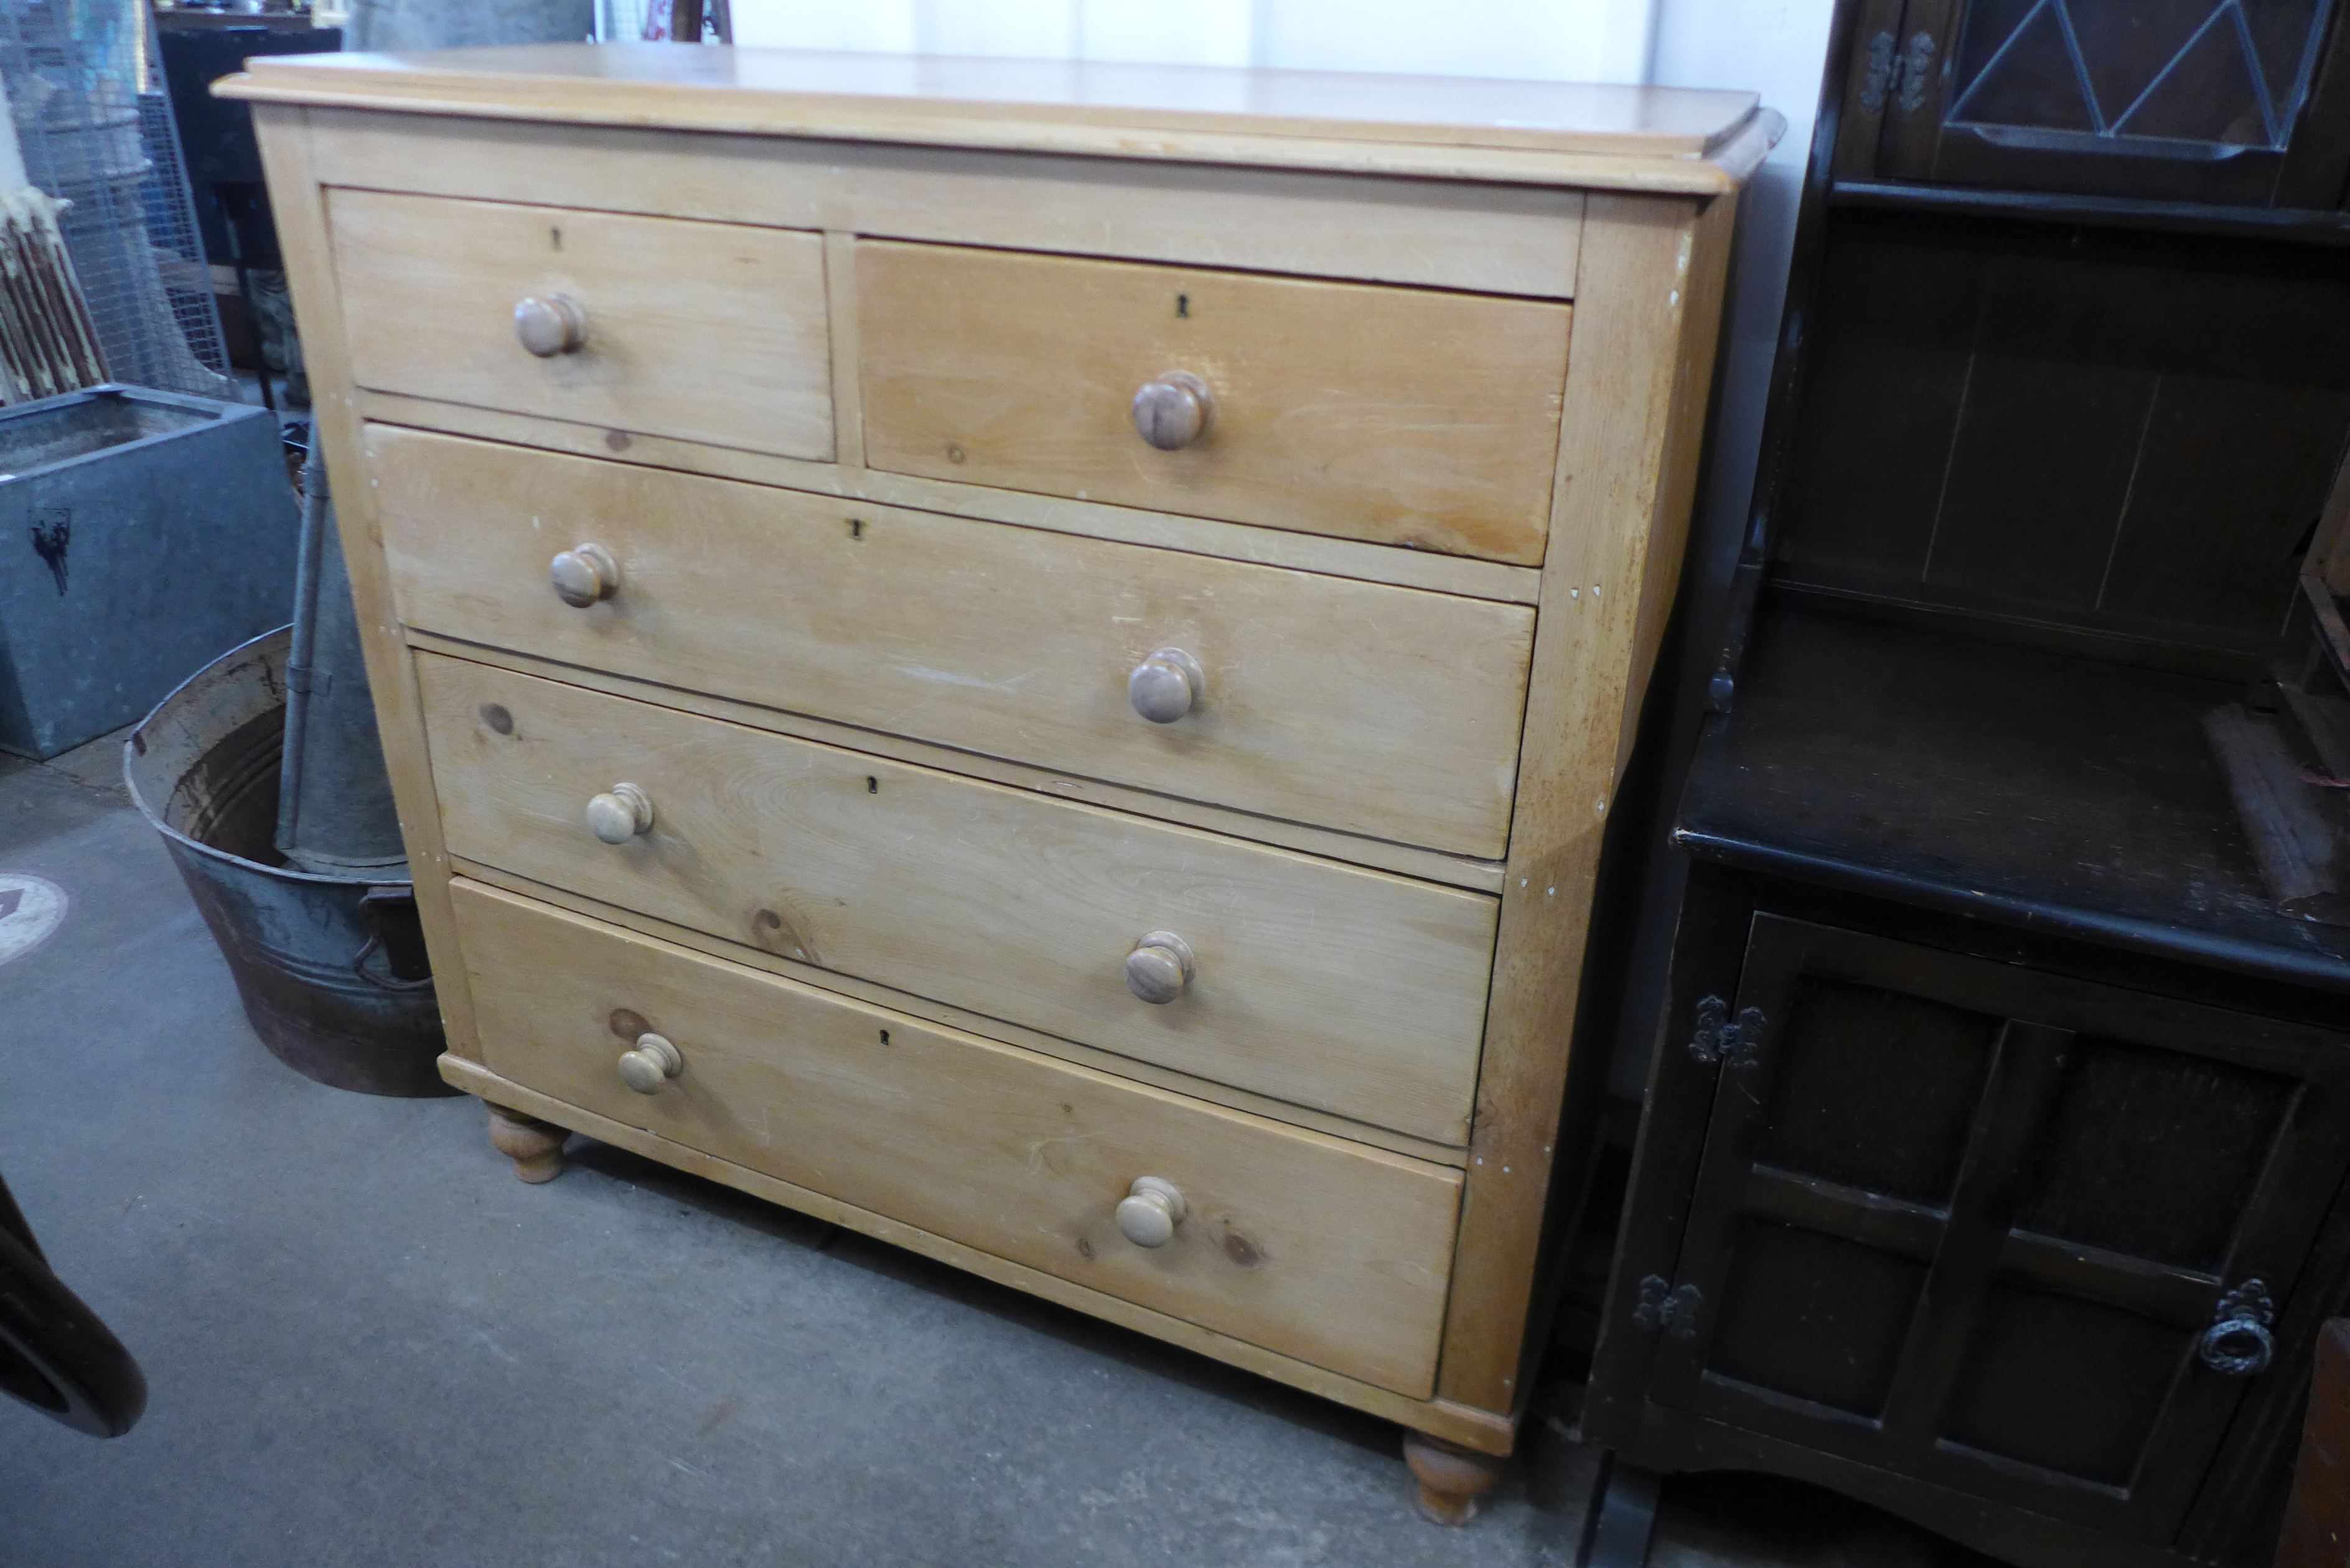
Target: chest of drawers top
{"x":1690,"y":140}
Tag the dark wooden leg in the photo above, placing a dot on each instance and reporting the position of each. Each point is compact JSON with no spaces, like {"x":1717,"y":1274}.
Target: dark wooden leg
{"x":534,"y":1146}
{"x":1450,"y":1477}
{"x":1622,"y":1518}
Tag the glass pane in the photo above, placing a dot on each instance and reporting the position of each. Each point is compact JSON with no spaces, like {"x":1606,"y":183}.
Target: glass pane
{"x":2181,"y":78}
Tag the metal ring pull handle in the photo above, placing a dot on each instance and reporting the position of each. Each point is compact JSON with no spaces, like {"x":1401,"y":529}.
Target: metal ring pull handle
{"x":2238,"y":1343}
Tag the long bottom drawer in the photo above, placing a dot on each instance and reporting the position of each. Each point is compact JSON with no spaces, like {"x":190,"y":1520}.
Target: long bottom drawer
{"x":1326,"y":1250}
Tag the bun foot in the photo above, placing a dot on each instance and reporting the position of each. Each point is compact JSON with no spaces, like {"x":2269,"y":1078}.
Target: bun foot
{"x":534,"y":1146}
{"x":1452,"y":1478}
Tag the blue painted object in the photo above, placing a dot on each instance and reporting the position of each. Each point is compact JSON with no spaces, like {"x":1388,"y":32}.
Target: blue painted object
{"x":141,"y":535}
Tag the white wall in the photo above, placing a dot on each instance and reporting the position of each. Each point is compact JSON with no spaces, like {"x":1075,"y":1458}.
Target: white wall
{"x":1561,"y":40}
{"x":1775,"y":47}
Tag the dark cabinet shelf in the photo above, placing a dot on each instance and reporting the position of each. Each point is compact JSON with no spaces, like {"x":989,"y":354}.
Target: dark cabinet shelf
{"x":2060,"y":793}
{"x":2323,"y":226}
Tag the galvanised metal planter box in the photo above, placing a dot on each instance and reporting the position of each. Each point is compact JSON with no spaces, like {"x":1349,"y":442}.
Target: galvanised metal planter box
{"x":141,"y":535}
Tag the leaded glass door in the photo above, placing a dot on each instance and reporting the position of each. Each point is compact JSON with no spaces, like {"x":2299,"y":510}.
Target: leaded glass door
{"x":2233,"y":101}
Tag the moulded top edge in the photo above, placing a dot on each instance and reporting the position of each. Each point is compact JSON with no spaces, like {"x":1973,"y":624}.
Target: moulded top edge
{"x":1639,"y":137}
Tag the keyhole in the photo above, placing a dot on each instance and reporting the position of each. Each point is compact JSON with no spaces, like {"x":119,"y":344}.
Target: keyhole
{"x":872,"y":784}
{"x":1183,"y":305}
{"x":556,"y":236}
{"x":856,"y":528}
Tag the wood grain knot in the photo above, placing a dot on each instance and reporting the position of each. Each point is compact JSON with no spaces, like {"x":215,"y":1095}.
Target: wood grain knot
{"x":627,"y":1024}
{"x":495,"y":716}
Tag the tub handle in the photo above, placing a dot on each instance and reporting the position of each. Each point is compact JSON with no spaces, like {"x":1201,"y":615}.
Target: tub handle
{"x":378,"y":907}
{"x":384,"y":982}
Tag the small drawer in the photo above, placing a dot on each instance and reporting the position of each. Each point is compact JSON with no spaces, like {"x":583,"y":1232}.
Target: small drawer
{"x":1329,"y":1251}
{"x":709,"y":332}
{"x":1400,"y":416}
{"x":1353,"y":992}
{"x":1374,"y":710}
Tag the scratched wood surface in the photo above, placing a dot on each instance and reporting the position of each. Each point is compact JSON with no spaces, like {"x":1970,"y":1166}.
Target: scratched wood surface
{"x":1405,"y":417}
{"x":714,"y":332}
{"x":1543,"y":134}
{"x":1491,"y":239}
{"x":1351,"y":990}
{"x":1306,"y":1244}
{"x":1371,"y":710}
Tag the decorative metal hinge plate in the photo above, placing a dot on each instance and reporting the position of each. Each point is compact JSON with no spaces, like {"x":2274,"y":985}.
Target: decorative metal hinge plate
{"x":1717,"y":1039}
{"x":1917,"y":65}
{"x":1874,"y":86}
{"x":1661,"y":1308}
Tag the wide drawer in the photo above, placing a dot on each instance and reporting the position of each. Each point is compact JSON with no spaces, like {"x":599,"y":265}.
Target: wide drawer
{"x":711,"y":332}
{"x":1402,"y":415}
{"x":1329,"y":1251}
{"x":1353,"y":992}
{"x":1375,"y":710}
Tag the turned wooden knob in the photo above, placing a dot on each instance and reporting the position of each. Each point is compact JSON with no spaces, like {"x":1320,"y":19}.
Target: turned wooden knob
{"x":620,"y":814}
{"x":1159,"y":967}
{"x":1164,"y":686}
{"x":1149,"y":1213}
{"x":1173,"y":411}
{"x":584,"y":574}
{"x":652,"y":1063}
{"x":554,"y":324}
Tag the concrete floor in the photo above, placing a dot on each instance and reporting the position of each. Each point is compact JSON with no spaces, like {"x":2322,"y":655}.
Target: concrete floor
{"x":367,"y":1343}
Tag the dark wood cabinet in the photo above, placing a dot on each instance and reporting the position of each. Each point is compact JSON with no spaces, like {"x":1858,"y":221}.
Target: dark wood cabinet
{"x":1992,"y":1163}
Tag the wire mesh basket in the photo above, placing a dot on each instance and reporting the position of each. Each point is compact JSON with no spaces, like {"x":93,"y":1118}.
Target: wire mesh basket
{"x":85,"y":98}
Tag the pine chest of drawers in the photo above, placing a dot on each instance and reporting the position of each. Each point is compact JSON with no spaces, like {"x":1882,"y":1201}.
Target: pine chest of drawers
{"x":1028,"y":659}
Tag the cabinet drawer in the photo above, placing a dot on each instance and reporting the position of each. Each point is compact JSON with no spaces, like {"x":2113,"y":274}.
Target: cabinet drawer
{"x":1374,"y":710}
{"x":1400,"y":416}
{"x":1353,"y":992}
{"x":711,"y":332}
{"x":1327,"y":1250}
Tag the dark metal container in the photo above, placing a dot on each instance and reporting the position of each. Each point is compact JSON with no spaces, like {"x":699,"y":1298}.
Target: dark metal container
{"x":141,"y":533}
{"x":332,"y":970}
